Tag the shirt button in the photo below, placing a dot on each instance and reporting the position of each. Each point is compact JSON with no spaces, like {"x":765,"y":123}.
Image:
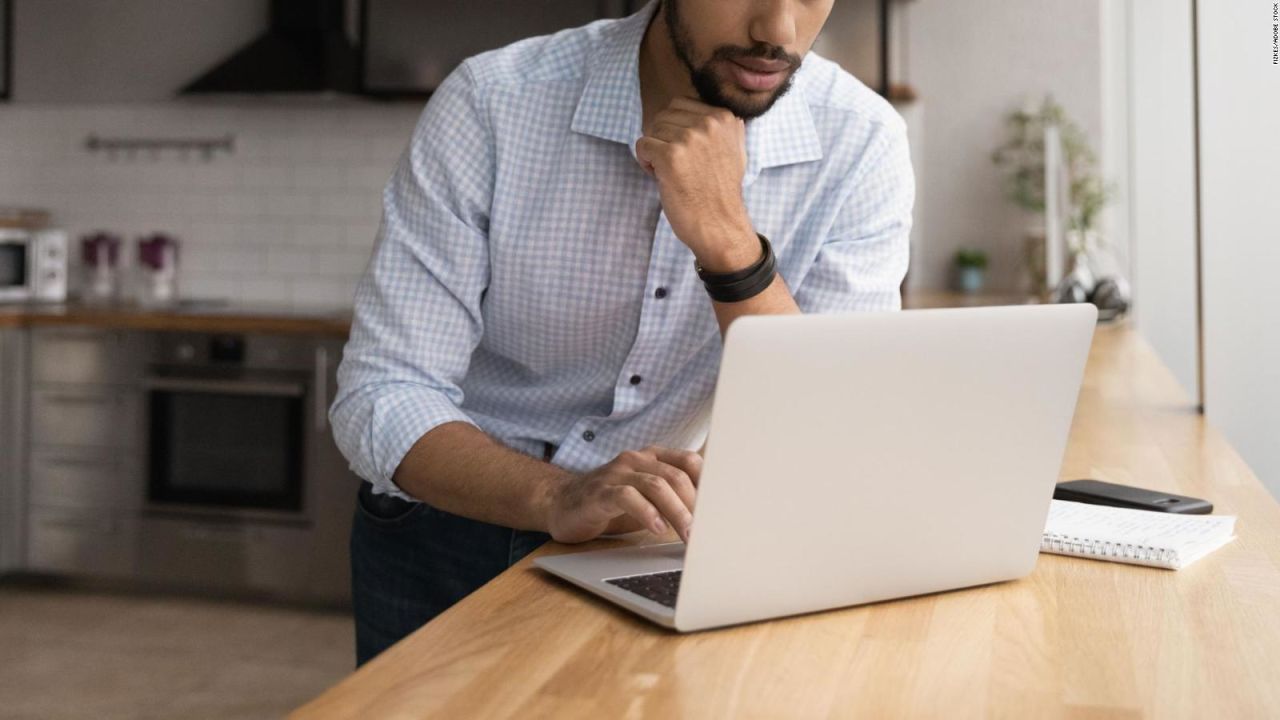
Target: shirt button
{"x":635,"y":379}
{"x":660,"y":293}
{"x":588,"y":435}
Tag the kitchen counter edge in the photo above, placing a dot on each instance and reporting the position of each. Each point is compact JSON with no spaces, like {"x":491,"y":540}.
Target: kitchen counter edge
{"x":231,"y":318}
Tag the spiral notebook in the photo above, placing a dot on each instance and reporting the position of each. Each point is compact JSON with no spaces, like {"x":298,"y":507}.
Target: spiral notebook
{"x":1140,"y":537}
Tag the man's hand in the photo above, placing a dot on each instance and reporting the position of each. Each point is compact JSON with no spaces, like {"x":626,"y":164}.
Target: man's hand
{"x":698,"y":155}
{"x":649,"y":489}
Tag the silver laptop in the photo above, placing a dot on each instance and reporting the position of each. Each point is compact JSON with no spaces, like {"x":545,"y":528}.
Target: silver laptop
{"x":862,"y":457}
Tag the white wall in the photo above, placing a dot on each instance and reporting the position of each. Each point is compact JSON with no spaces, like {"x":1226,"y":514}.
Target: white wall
{"x":972,"y":62}
{"x":1240,"y":155}
{"x":290,"y":217}
{"x":1159,"y":129}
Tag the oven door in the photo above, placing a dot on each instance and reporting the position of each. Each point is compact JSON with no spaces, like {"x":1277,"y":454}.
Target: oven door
{"x":226,"y":445}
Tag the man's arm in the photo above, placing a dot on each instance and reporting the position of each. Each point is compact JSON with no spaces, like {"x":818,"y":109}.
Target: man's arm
{"x":698,"y":155}
{"x":775,"y":300}
{"x":418,"y":319}
{"x":461,"y":470}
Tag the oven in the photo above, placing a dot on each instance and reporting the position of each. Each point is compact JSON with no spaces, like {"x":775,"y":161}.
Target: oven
{"x":243,"y":487}
{"x":230,"y":424}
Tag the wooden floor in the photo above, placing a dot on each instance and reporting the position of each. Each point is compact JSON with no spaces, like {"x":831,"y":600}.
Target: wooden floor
{"x":67,"y":653}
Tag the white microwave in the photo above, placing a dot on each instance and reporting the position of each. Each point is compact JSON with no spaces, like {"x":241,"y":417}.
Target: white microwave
{"x":33,"y":265}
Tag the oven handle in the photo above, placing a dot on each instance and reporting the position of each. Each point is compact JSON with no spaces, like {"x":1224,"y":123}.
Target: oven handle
{"x":321,"y":403}
{"x":231,"y":387}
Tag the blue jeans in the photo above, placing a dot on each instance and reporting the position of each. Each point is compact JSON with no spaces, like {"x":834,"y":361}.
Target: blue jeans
{"x":411,"y":562}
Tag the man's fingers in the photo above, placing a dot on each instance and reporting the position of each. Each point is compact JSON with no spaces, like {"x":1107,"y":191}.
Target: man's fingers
{"x":687,"y":460}
{"x":648,"y":150}
{"x":697,"y":107}
{"x":631,"y":501}
{"x":658,"y":491}
{"x":676,"y":477}
{"x":680,"y":118}
{"x":692,"y":105}
{"x":668,"y":132}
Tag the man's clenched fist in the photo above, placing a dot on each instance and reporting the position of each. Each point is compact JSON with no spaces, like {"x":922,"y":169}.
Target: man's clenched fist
{"x":650,"y":489}
{"x":698,"y":155}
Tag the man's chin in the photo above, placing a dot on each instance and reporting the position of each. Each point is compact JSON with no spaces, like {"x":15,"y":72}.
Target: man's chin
{"x":748,"y":104}
{"x":721,"y":90}
{"x":744,"y":102}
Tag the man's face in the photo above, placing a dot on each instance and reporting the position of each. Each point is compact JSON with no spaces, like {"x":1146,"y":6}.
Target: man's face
{"x":743,"y":54}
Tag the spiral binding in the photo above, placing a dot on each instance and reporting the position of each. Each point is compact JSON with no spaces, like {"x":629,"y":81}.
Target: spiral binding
{"x":1070,"y":545}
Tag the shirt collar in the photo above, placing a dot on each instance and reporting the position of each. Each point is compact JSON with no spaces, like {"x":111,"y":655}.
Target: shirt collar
{"x":610,"y":106}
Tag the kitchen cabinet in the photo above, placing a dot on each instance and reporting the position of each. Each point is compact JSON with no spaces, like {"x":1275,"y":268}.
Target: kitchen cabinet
{"x":110,"y":425}
{"x":84,"y":451}
{"x":13,"y":393}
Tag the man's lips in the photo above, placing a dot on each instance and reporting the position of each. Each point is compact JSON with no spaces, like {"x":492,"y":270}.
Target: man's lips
{"x":761,"y":65}
{"x":757,"y":75}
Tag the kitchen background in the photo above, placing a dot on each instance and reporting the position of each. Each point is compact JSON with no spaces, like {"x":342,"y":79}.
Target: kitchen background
{"x":277,"y":220}
{"x":288,"y":217}
{"x":290,"y":214}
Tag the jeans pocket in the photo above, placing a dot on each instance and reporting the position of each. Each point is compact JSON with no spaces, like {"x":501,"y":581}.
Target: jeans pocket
{"x":386,"y":511}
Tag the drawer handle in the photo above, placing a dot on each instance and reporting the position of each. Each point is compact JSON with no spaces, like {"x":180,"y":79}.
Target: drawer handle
{"x":113,"y":463}
{"x":82,"y":399}
{"x":229,"y":387}
{"x":99,"y":525}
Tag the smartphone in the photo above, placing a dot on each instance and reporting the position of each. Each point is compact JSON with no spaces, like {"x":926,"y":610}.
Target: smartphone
{"x":1097,"y":492}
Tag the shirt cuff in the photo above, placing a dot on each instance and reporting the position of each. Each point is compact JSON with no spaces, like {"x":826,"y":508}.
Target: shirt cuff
{"x":398,"y":422}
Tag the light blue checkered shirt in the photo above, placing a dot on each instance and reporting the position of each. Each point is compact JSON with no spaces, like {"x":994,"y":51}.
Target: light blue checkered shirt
{"x":524,"y":274}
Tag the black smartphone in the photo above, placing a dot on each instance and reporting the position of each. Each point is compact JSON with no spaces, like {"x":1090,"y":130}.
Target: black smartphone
{"x":1097,"y":492}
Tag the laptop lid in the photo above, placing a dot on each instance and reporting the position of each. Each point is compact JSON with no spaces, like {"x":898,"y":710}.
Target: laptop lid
{"x":860,"y":457}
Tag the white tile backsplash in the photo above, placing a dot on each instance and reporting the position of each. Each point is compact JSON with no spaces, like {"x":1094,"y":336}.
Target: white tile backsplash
{"x":289,"y":217}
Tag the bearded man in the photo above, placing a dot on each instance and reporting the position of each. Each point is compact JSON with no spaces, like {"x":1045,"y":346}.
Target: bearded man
{"x":577,"y":221}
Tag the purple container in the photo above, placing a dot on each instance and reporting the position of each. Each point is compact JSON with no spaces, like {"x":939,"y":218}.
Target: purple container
{"x":101,"y":249}
{"x":158,"y":251}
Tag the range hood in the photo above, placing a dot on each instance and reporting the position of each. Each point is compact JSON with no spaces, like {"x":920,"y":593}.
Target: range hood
{"x":307,"y":49}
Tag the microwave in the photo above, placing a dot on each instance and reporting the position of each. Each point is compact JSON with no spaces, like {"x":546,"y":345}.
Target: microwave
{"x":33,"y":265}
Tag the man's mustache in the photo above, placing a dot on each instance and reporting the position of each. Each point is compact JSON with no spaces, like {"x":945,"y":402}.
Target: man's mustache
{"x":763,"y":52}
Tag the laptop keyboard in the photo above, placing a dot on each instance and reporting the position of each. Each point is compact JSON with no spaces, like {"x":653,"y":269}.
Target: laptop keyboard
{"x":659,"y":587}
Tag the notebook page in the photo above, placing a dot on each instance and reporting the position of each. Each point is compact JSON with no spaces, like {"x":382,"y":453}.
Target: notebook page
{"x":1138,"y":527}
{"x":1180,"y":538}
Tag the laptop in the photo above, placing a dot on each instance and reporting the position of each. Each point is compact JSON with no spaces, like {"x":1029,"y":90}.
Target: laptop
{"x":863,"y":457}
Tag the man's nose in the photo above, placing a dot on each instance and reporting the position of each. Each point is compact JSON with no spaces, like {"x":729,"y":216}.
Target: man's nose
{"x":774,"y":23}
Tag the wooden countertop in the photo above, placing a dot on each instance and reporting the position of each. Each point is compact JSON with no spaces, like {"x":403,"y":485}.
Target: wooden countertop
{"x":206,"y":316}
{"x":221,"y":316}
{"x":1076,"y":638}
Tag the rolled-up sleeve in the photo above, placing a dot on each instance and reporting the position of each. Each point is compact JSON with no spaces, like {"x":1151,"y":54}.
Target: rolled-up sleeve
{"x":417,"y":316}
{"x":860,"y":267}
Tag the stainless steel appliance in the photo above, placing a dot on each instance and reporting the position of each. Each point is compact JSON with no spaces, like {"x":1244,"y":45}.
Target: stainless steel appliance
{"x":33,"y":264}
{"x":183,"y":460}
{"x":245,"y":488}
{"x":225,"y":428}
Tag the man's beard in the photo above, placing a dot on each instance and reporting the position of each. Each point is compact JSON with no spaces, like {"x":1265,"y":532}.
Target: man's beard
{"x":710,"y":86}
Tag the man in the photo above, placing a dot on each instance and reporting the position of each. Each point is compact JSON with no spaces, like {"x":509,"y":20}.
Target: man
{"x":533,"y":352}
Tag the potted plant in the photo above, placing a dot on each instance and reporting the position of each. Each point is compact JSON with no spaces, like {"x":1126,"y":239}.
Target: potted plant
{"x":971,"y":270}
{"x":1022,"y":160}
